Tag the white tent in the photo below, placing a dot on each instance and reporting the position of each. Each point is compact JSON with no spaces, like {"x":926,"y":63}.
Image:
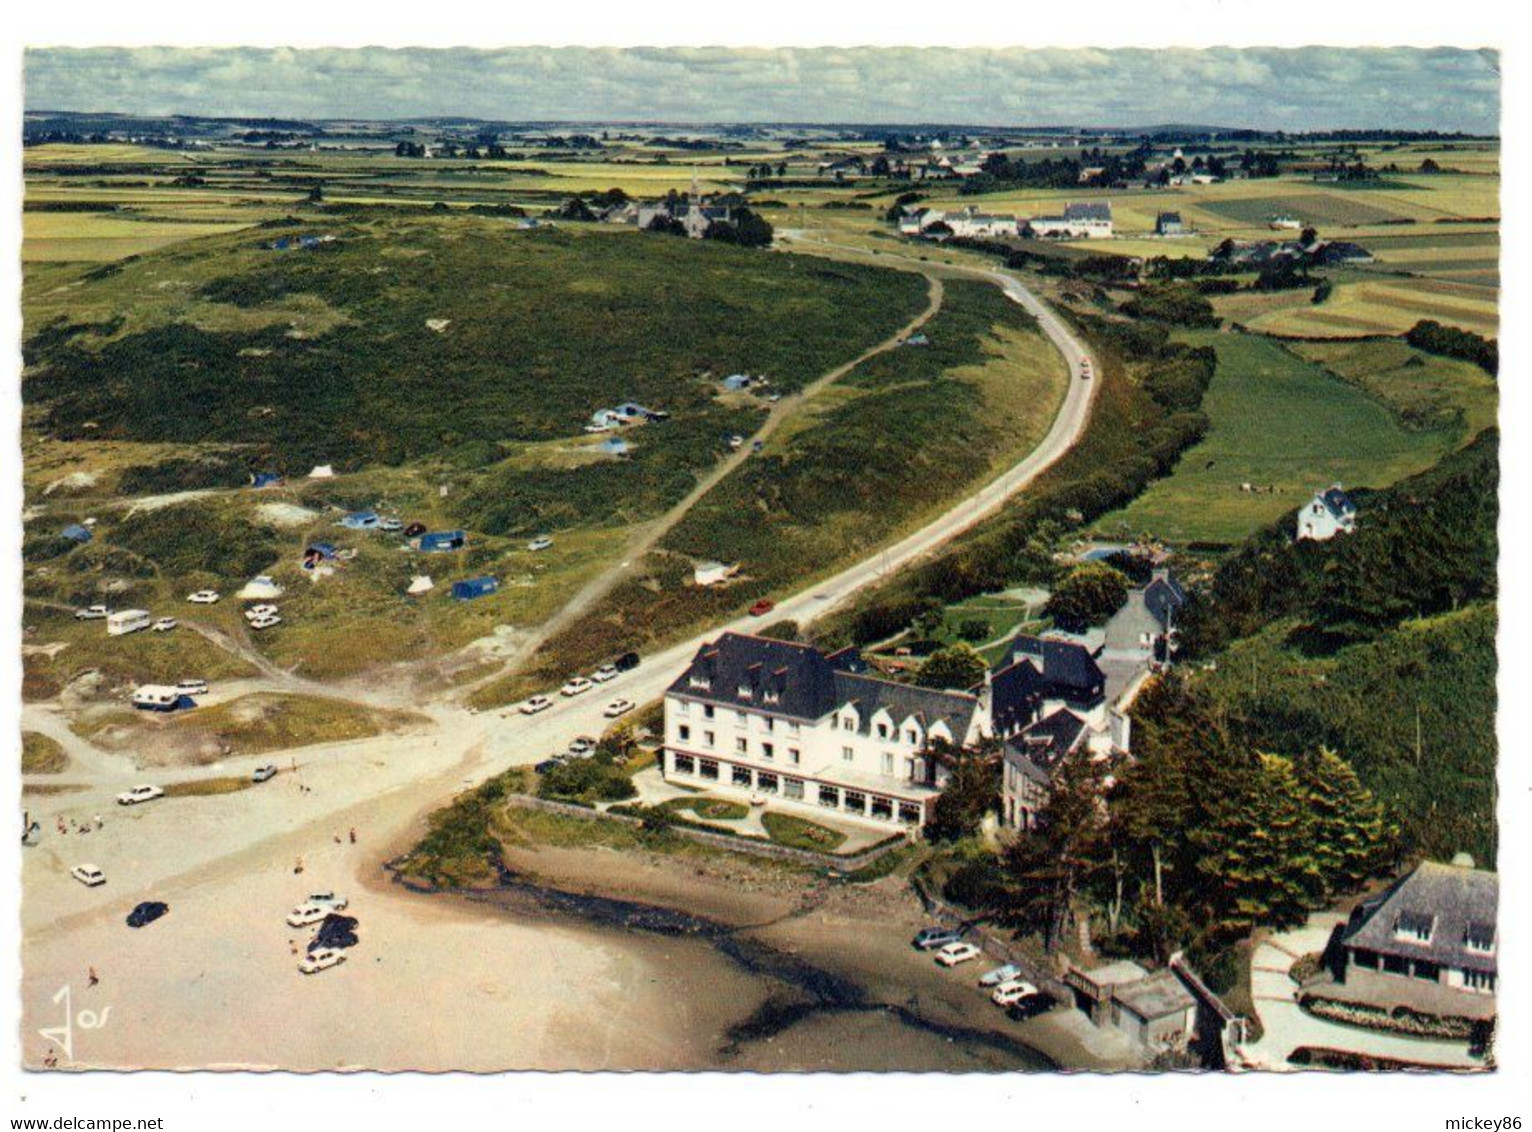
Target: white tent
{"x":260,"y":587}
{"x":322,"y":472}
{"x":420,"y":584}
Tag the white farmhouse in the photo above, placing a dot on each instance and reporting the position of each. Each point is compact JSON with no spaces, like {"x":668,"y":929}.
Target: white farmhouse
{"x":1330,"y":513}
{"x":1078,"y":221}
{"x":973,"y":224}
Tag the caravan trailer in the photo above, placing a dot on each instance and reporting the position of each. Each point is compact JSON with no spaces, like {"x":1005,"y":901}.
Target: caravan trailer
{"x":157,"y":697}
{"x":128,"y":621}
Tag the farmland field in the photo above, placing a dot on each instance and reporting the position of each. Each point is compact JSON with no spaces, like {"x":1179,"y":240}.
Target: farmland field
{"x":1283,"y":426}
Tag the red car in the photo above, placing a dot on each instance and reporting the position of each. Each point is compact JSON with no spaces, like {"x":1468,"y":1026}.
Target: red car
{"x":762,"y":607}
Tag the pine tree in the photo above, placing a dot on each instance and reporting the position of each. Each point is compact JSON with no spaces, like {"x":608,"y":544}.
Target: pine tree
{"x":1351,"y":835}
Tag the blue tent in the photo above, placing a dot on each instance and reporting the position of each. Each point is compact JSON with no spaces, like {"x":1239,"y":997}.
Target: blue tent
{"x":76,"y":532}
{"x":265,"y":479}
{"x":474,"y":587}
{"x":360,"y":520}
{"x":737,"y":381}
{"x":281,"y":245}
{"x":443,"y":540}
{"x":308,"y":241}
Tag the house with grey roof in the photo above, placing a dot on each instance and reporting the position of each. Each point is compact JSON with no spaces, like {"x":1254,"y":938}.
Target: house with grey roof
{"x":1141,"y":630}
{"x":1153,"y":1010}
{"x":1170,"y":224}
{"x":1328,"y":514}
{"x":1428,"y":942}
{"x":782,"y":722}
{"x":1089,"y":221}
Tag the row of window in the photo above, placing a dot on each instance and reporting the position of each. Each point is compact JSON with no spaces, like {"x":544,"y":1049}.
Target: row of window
{"x":831,"y":797}
{"x":1422,"y":969}
{"x":837,"y":722}
{"x":741,"y":744}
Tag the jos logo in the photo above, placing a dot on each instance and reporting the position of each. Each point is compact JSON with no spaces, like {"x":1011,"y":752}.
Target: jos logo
{"x":63,"y":1035}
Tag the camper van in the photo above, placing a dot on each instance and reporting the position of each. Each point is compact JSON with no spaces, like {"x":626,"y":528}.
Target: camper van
{"x":128,"y":621}
{"x":157,"y":697}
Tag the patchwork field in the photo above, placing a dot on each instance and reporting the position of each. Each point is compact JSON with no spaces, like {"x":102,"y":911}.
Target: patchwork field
{"x":1286,"y":428}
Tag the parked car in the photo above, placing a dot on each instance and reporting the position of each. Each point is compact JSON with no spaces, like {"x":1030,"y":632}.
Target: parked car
{"x":999,"y":975}
{"x":258,"y":611}
{"x":1030,"y":1006}
{"x":627,"y":662}
{"x":757,"y":445}
{"x":535,"y":705}
{"x":955,"y":953}
{"x":928,"y":939}
{"x":1085,"y":371}
{"x":604,"y":673}
{"x":736,"y":442}
{"x":549,"y":764}
{"x":576,"y":687}
{"x":139,"y":794}
{"x":163,"y":624}
{"x":269,"y":621}
{"x":88,"y":875}
{"x":203,"y":597}
{"x":618,"y":707}
{"x":307,"y":913}
{"x":1012,"y":992}
{"x":336,"y":931}
{"x":582,"y":746}
{"x":542,"y":543}
{"x":92,"y":613}
{"x":773,"y":397}
{"x":264,"y":773}
{"x":331,"y":900}
{"x":192,"y":687}
{"x":762,"y":607}
{"x":321,"y":960}
{"x":390,"y":525}
{"x":147,"y":913}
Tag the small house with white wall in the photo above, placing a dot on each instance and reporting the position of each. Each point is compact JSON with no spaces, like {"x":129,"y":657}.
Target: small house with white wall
{"x":1328,"y":514}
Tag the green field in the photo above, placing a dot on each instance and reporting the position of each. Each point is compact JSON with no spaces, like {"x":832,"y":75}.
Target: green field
{"x":1275,"y":422}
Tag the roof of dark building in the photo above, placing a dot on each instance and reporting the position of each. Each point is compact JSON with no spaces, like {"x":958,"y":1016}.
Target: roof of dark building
{"x":902,"y":701}
{"x":1016,"y":692}
{"x":1338,"y":502}
{"x":782,"y":676}
{"x":1168,"y":218}
{"x":1037,"y":751}
{"x":1454,"y":904}
{"x":1163,"y":596}
{"x":1069,"y":670}
{"x":1092,"y":211}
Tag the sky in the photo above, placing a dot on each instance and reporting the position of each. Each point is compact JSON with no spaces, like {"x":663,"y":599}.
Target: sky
{"x":1265,"y":88}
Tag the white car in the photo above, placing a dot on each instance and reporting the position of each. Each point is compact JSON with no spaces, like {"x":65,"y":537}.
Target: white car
{"x":309,"y":912}
{"x":88,"y":875}
{"x":264,"y":773}
{"x":540,"y":544}
{"x":576,"y":687}
{"x":955,"y":953}
{"x":266,"y":622}
{"x":582,"y":746}
{"x":203,"y":597}
{"x":618,"y":707}
{"x":390,"y":524}
{"x":535,"y":705}
{"x":330,"y":900}
{"x":1012,"y":992}
{"x":604,"y":673}
{"x":164,"y":625}
{"x":139,"y":794}
{"x":321,"y":959}
{"x":256,"y":612}
{"x":192,"y":687}
{"x":92,"y":613}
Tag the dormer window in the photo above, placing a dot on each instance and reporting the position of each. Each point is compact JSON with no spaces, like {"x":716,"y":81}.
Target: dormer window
{"x":772,"y":697}
{"x":1414,"y":926}
{"x":882,"y":731}
{"x":746,"y":692}
{"x":700,"y":681}
{"x":849,"y":723}
{"x":1479,"y":938}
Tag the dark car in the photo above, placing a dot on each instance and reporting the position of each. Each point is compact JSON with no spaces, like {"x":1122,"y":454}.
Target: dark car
{"x":548,"y":764}
{"x":147,"y":913}
{"x":929,"y":939}
{"x":414,"y":529}
{"x":626,"y":662}
{"x":1030,"y":1007}
{"x":762,"y":607}
{"x":335,"y":930}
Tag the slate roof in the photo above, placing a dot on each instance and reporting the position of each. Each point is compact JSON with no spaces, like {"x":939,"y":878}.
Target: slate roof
{"x":928,"y":705}
{"x":1096,"y":211}
{"x":1069,"y":671}
{"x":1037,"y":751}
{"x":801,"y":678}
{"x":1337,"y":502}
{"x":1458,"y":903}
{"x":1016,"y":694}
{"x":1164,"y":596}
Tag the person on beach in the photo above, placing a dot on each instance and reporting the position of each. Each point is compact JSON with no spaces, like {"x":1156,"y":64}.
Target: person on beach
{"x":91,"y":978}
{"x":298,"y":866}
{"x":99,"y":822}
{"x":353,"y":835}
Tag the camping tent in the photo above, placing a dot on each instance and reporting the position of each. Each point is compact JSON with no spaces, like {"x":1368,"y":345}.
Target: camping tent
{"x":443,"y":540}
{"x":420,"y":583}
{"x":615,"y":446}
{"x":736,"y":381}
{"x":360,"y":520}
{"x":261,"y":587}
{"x":474,"y":587}
{"x":322,"y":472}
{"x":711,"y":573}
{"x":76,"y":532}
{"x":266,"y":479}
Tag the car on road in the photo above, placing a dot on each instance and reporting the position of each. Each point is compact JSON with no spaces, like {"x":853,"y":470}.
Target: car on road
{"x":88,"y":875}
{"x":203,"y":597}
{"x":1085,"y":371}
{"x":576,"y":687}
{"x":604,"y":673}
{"x":163,"y":625}
{"x":264,"y":773}
{"x":309,"y":912}
{"x":330,"y":900}
{"x":1030,"y":1006}
{"x":139,"y":794}
{"x":618,"y":707}
{"x":1012,"y":992}
{"x":542,"y":543}
{"x":390,"y":524}
{"x":92,"y":613}
{"x":762,"y":607}
{"x":269,"y":621}
{"x":929,"y":939}
{"x":582,"y":746}
{"x":955,"y":953}
{"x":736,"y":442}
{"x":627,"y":662}
{"x":535,"y":705}
{"x":321,"y":959}
{"x":192,"y":687}
{"x":757,"y":445}
{"x":1008,"y":973}
{"x":147,"y":913}
{"x":773,"y":397}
